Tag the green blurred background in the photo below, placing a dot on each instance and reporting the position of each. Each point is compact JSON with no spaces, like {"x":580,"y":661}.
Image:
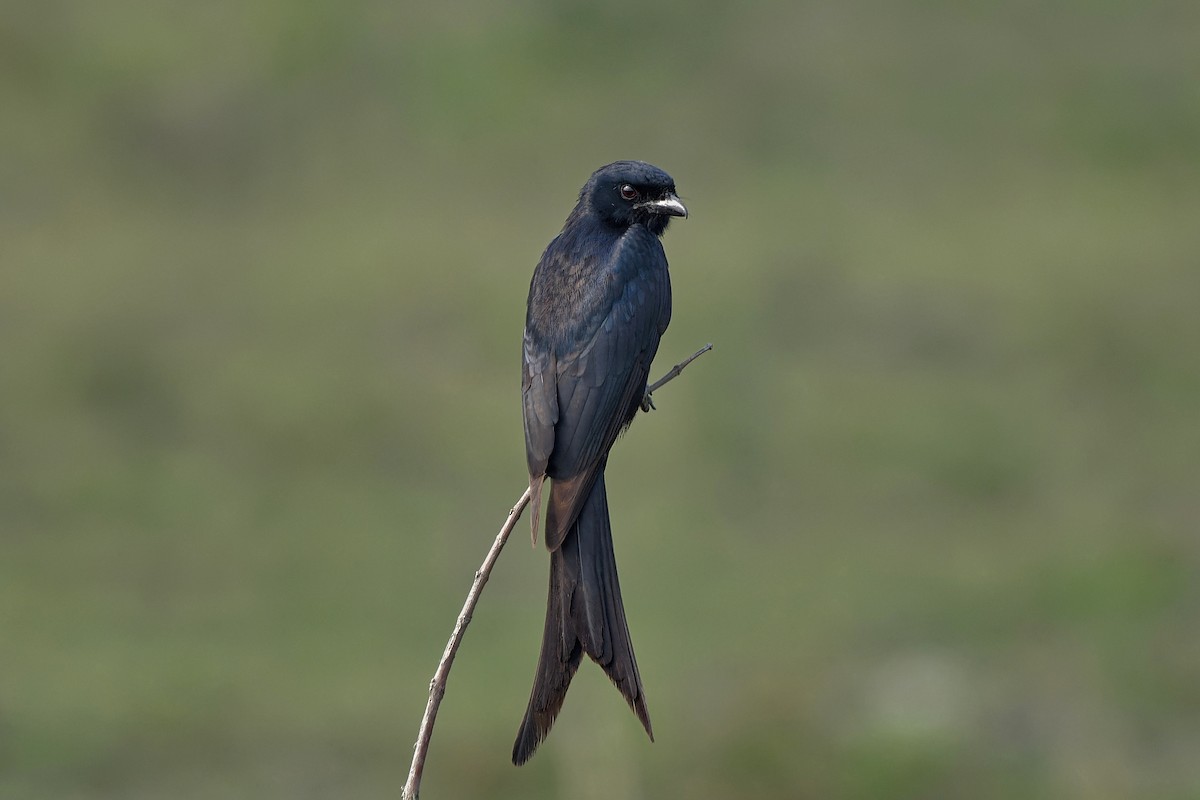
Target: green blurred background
{"x":923,"y":525}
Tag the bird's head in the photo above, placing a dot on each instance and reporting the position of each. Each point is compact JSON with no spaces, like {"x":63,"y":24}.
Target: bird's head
{"x":626,"y":193}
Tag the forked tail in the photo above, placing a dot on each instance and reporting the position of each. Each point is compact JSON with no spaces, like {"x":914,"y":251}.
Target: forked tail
{"x":584,"y":614}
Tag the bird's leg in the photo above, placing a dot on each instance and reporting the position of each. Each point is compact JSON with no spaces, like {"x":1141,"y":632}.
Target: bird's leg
{"x":647,"y":403}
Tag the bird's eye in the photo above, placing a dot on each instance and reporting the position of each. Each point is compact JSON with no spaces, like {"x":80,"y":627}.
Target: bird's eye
{"x":628,"y":192}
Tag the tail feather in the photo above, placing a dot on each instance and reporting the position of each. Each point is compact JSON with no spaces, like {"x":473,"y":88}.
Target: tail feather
{"x":584,"y":614}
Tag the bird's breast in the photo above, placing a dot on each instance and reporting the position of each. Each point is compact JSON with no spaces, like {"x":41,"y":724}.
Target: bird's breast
{"x":581,"y":279}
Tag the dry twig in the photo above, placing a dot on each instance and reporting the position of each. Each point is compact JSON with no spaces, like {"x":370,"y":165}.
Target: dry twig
{"x":437,"y":686}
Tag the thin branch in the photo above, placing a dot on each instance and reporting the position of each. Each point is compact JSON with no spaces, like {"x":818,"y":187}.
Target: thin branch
{"x":673,"y":373}
{"x":437,"y":686}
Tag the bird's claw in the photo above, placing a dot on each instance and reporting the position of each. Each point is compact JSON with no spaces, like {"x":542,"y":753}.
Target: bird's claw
{"x":647,"y":403}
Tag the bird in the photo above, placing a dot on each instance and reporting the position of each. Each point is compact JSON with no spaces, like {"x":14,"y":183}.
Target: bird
{"x":599,"y":303}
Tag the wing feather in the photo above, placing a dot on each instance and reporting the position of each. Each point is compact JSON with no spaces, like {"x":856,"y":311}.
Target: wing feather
{"x":600,"y":389}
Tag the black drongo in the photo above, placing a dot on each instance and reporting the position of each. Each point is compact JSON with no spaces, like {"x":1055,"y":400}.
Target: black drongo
{"x":599,"y":302}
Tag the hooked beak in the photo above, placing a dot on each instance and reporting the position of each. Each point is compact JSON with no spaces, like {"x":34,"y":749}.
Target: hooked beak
{"x":668,"y":205}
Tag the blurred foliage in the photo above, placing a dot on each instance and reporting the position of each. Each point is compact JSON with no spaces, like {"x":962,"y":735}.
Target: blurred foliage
{"x":924,"y":524}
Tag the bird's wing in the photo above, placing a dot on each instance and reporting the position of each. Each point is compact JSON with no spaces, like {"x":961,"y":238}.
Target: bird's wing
{"x":539,"y":395}
{"x":600,"y":387}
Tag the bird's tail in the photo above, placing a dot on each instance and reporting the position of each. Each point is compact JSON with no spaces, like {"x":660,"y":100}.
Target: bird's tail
{"x":584,"y":614}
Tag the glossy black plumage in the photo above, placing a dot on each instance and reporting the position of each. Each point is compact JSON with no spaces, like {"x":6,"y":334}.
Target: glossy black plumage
{"x":599,"y":302}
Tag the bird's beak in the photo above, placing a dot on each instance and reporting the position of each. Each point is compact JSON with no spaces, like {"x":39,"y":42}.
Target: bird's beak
{"x":668,"y":205}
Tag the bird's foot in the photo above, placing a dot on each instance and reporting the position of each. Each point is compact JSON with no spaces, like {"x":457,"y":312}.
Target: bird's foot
{"x":647,"y":403}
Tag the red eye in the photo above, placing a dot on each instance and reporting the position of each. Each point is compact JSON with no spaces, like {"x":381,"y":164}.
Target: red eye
{"x":628,"y":192}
